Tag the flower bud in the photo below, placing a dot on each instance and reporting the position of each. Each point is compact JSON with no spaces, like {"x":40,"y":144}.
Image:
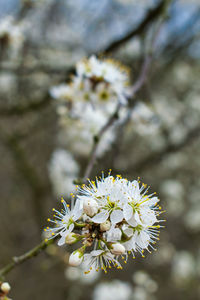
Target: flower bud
{"x":105,"y":226}
{"x":90,"y":207}
{"x":71,"y":238}
{"x":75,"y":258}
{"x":5,"y":287}
{"x":117,"y":249}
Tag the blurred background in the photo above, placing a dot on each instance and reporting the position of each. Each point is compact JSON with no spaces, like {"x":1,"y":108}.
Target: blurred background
{"x":40,"y":43}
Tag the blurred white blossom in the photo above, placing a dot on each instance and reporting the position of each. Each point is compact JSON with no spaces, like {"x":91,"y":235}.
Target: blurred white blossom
{"x":144,"y":280}
{"x":183,"y":268}
{"x":63,"y":169}
{"x":116,"y":289}
{"x":174,"y":193}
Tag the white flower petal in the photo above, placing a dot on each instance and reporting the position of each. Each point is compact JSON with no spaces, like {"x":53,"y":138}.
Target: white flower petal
{"x":128,"y":211}
{"x":114,"y":234}
{"x":96,"y":252}
{"x":132,"y":222}
{"x":128,"y":231}
{"x":152,"y":201}
{"x":116,"y":216}
{"x":77,"y":211}
{"x":100,"y":217}
{"x":62,"y":240}
{"x":147,"y":216}
{"x":71,"y":227}
{"x":135,"y":220}
{"x":130,"y":245}
{"x":142,"y":240}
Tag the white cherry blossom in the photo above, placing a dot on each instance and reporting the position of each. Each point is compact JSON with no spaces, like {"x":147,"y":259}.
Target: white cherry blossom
{"x":64,"y":221}
{"x":115,"y":217}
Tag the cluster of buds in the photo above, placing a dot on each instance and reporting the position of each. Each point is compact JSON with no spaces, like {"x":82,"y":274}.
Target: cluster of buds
{"x":4,"y":290}
{"x":111,"y":218}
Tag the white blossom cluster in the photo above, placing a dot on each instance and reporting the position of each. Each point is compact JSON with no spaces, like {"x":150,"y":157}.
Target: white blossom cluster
{"x":96,"y":82}
{"x":112,"y":217}
{"x":88,"y":100}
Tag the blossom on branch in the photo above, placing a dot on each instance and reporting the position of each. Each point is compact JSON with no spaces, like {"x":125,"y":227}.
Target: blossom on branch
{"x":112,"y":217}
{"x":85,"y":104}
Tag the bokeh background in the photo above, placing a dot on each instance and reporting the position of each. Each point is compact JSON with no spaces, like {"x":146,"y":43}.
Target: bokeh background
{"x":160,"y":144}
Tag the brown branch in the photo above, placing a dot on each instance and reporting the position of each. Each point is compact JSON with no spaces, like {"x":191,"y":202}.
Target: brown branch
{"x":150,"y":17}
{"x":133,"y":91}
{"x":17,"y":260}
{"x":97,"y":140}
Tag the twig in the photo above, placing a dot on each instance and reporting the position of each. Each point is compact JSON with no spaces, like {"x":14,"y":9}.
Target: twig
{"x":17,"y":260}
{"x":97,"y":140}
{"x":133,"y":91}
{"x":150,"y":17}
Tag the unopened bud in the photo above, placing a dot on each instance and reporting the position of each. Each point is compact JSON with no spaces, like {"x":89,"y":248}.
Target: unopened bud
{"x":90,"y":207}
{"x":105,"y":226}
{"x":5,"y":287}
{"x":71,"y":238}
{"x":117,"y":249}
{"x":75,"y":258}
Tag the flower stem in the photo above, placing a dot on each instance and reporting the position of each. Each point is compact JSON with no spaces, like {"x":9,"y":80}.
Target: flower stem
{"x":17,"y":260}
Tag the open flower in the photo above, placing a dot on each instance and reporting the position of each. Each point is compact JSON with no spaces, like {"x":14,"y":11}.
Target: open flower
{"x":64,"y":221}
{"x":100,"y":259}
{"x":138,"y":208}
{"x":108,"y":194}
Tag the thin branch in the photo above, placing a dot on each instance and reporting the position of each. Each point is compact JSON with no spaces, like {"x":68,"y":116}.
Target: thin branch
{"x":17,"y":260}
{"x":150,"y":17}
{"x":97,"y":140}
{"x":133,"y":91}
